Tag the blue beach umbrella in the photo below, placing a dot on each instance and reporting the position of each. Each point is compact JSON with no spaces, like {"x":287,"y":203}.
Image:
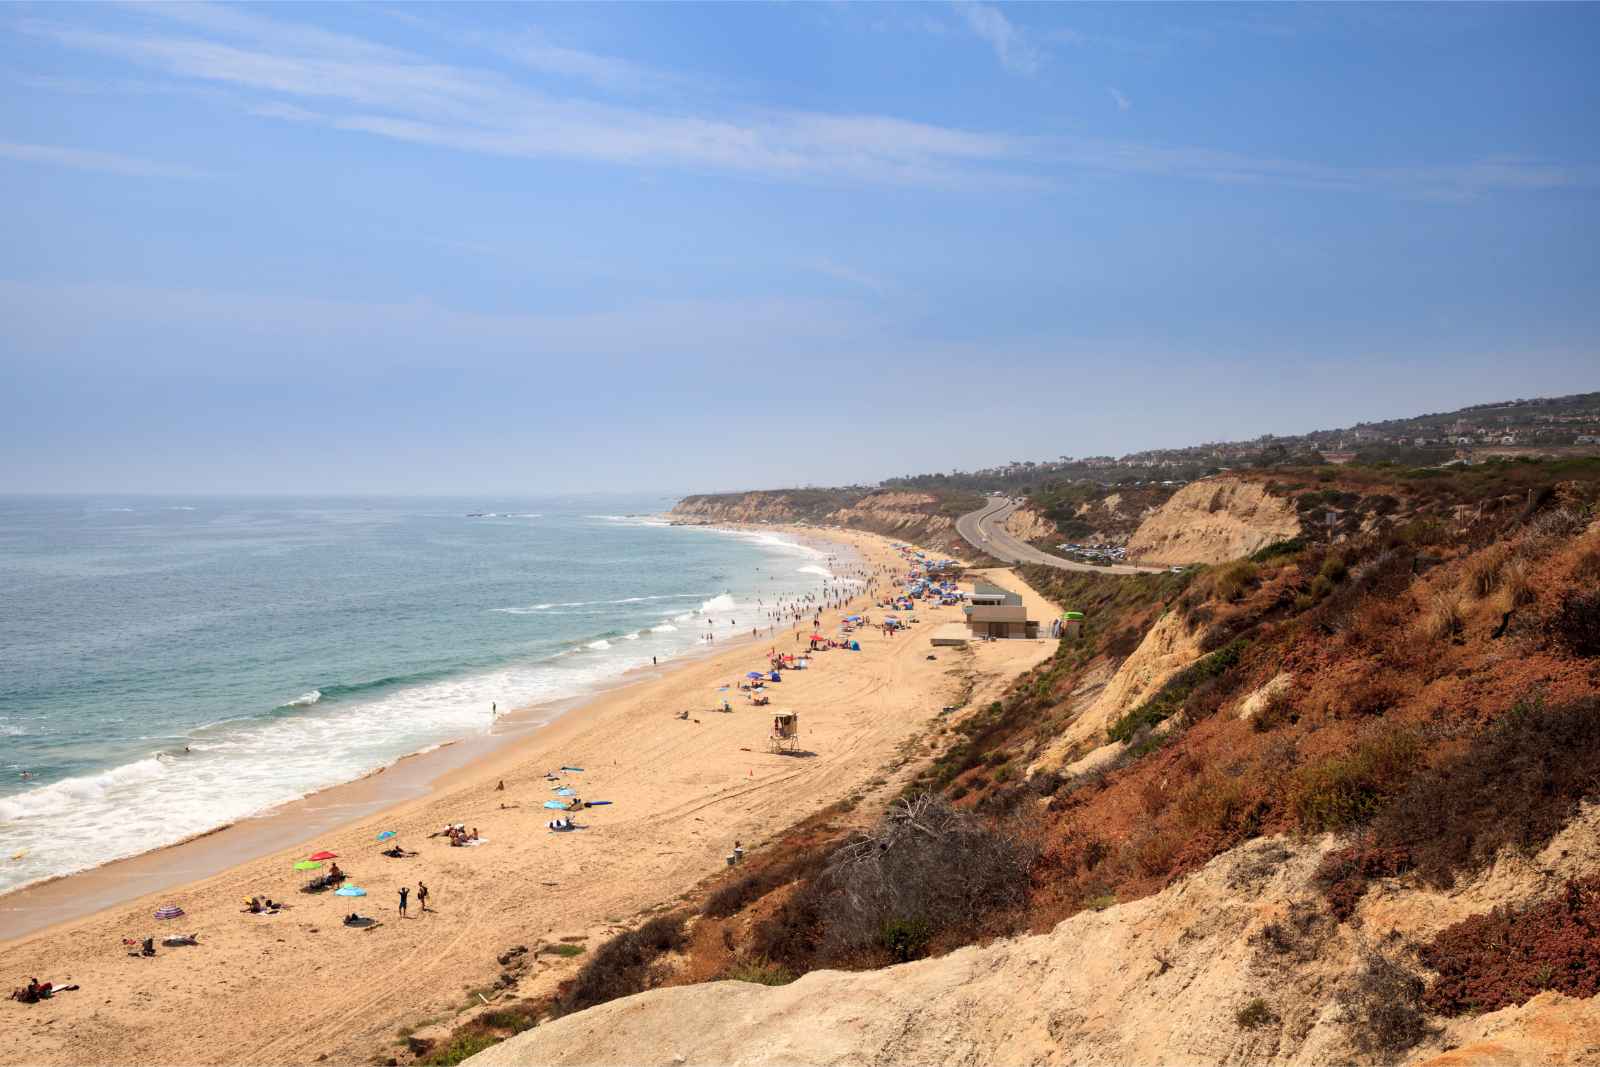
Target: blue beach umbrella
{"x":349,"y":891}
{"x":386,"y":835}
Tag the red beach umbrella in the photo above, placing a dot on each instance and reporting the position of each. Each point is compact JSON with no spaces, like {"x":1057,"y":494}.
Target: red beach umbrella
{"x":323,"y":856}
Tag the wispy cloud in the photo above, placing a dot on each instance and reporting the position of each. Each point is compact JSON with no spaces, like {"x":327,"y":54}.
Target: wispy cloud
{"x":287,"y":72}
{"x":320,"y":77}
{"x":845,"y":273}
{"x":534,"y":51}
{"x":103,"y":162}
{"x":1016,"y":52}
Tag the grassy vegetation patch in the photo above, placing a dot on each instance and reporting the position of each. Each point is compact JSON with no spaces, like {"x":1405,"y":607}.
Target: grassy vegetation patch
{"x":1172,"y":695}
{"x":1345,"y":790}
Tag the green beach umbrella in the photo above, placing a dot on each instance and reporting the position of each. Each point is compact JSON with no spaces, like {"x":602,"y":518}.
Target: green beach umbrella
{"x":307,"y":865}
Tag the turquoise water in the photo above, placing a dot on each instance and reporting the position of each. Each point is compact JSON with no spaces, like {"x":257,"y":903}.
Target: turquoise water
{"x":291,"y":644}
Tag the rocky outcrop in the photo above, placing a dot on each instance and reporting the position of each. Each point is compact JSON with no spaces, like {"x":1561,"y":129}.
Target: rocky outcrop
{"x":911,"y":516}
{"x":1168,"y":647}
{"x":1028,"y":525}
{"x":1163,"y":979}
{"x":763,"y":506}
{"x":1214,"y":521}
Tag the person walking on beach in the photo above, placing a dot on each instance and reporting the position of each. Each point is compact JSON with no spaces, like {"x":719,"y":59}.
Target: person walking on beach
{"x":405,"y":891}
{"x":422,"y":895}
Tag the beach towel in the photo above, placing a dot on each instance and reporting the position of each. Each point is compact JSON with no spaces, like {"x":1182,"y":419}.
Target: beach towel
{"x":556,"y":804}
{"x":566,"y":792}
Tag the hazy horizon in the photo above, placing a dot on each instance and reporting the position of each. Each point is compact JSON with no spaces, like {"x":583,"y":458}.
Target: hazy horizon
{"x":459,"y":250}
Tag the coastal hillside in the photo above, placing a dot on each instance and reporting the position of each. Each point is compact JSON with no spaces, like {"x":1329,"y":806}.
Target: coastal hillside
{"x":928,"y":518}
{"x":1336,"y":800}
{"x":1214,"y":521}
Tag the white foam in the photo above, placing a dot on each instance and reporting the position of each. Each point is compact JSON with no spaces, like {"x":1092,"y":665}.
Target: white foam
{"x":822,"y":572}
{"x":304,"y":700}
{"x":243,"y":767}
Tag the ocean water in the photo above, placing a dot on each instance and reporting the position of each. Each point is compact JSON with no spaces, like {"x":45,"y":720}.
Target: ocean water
{"x":292,"y":644}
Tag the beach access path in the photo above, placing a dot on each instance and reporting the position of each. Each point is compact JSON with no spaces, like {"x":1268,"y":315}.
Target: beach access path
{"x":298,"y":987}
{"x":985,"y":530}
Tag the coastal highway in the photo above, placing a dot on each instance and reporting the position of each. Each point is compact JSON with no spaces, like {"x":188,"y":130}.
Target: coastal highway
{"x":985,"y":530}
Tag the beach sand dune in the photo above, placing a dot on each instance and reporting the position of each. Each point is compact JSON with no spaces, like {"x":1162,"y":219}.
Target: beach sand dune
{"x":299,"y":987}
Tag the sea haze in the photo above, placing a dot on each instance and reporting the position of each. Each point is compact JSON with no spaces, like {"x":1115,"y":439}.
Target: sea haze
{"x":292,"y":644}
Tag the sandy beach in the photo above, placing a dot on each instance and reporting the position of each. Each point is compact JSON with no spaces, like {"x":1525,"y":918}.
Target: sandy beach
{"x":298,"y":986}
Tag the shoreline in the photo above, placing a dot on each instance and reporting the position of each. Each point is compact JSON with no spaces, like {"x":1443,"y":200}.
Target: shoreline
{"x":297,"y":986}
{"x":52,"y":902}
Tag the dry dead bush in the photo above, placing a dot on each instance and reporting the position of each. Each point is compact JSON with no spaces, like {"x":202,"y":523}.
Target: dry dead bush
{"x":1441,"y":618}
{"x":1516,"y":585}
{"x":925,"y":867}
{"x":1559,"y":523}
{"x":1483,"y":572}
{"x":1382,"y":1006}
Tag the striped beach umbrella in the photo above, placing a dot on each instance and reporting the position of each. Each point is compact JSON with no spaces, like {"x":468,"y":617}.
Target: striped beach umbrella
{"x":385,"y":835}
{"x":168,"y":911}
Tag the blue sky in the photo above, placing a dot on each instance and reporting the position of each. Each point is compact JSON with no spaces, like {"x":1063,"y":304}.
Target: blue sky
{"x":463,"y":248}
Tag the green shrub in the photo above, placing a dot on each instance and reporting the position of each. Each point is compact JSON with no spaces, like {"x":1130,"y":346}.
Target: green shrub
{"x":458,"y":1049}
{"x":760,"y":972}
{"x":1346,"y":790}
{"x":1234,"y":579}
{"x":906,"y":939}
{"x":1171,"y":696}
{"x":1278,"y":549}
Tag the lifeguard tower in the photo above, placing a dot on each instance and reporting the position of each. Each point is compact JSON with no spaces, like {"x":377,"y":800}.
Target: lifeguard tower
{"x":785,"y":732}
